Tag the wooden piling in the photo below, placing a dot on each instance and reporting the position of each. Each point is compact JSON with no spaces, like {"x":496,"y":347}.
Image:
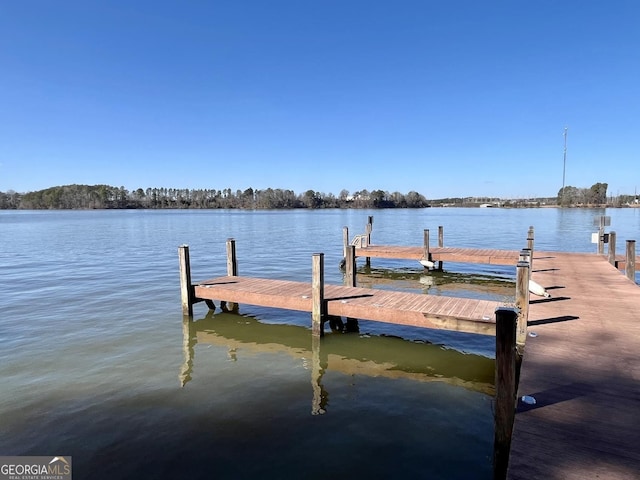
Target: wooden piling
{"x":369,"y":229}
{"x":505,"y":406}
{"x":522,"y":303}
{"x":530,"y":243}
{"x":612,"y":248}
{"x":601,"y":238}
{"x":528,"y":257}
{"x":232,"y":260}
{"x":186,"y":290}
{"x":318,"y":309}
{"x":440,"y":244}
{"x":345,"y":241}
{"x":630,"y":266}
{"x":426,"y":244}
{"x":350,"y":266}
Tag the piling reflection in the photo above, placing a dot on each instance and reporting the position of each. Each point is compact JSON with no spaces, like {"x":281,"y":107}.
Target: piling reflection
{"x":350,"y":354}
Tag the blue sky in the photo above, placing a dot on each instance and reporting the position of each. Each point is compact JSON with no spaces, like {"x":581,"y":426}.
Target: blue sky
{"x":447,"y":98}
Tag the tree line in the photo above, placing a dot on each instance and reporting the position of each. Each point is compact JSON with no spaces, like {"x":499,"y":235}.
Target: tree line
{"x":572,"y":196}
{"x":109,"y":197}
{"x":69,"y":197}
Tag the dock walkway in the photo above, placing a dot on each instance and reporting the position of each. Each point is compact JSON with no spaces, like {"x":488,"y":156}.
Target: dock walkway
{"x":442,"y":254}
{"x":401,"y":308}
{"x":583,"y":369}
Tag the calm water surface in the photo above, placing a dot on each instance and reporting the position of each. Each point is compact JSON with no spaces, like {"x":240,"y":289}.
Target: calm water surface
{"x":97,"y":363}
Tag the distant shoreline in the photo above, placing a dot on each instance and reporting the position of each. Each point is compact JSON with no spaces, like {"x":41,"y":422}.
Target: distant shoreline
{"x":106,"y":197}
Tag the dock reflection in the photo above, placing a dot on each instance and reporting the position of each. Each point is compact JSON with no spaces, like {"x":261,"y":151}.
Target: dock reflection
{"x":350,"y":354}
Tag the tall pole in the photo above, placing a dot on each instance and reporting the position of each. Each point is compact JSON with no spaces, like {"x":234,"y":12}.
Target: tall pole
{"x":564,"y":164}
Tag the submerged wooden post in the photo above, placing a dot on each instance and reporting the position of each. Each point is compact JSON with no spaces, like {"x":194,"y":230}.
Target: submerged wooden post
{"x":317,"y":295}
{"x":426,"y":244}
{"x":232,"y":261}
{"x":350,"y":265}
{"x":505,"y":406}
{"x":522,"y":303}
{"x":612,"y":248}
{"x":630,"y":266}
{"x":186,"y":290}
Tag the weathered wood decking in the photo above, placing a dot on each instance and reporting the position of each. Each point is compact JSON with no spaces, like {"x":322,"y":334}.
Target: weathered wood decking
{"x":402,"y":308}
{"x":442,"y":254}
{"x":583,"y":369}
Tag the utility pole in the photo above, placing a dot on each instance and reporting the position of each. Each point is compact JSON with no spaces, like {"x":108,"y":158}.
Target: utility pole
{"x":564,"y":165}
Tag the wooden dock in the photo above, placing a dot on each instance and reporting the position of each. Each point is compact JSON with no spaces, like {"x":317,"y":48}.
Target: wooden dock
{"x":441,"y":254}
{"x":365,"y":248}
{"x":583,"y":369}
{"x":581,"y":359}
{"x":401,"y":308}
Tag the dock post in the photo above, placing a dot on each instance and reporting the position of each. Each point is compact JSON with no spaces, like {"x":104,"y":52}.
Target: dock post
{"x":345,"y":241}
{"x":440,"y":243}
{"x":505,"y":406}
{"x":526,"y":255}
{"x":612,"y":248}
{"x":530,"y":242}
{"x":426,"y":254}
{"x":522,"y":303}
{"x":601,"y":237}
{"x":350,"y":266}
{"x":368,"y":232}
{"x":186,"y":290}
{"x":317,"y":295}
{"x":630,"y":266}
{"x":232,"y":260}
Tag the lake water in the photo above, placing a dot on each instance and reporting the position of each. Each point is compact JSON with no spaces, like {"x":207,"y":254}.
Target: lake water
{"x":97,"y":363}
